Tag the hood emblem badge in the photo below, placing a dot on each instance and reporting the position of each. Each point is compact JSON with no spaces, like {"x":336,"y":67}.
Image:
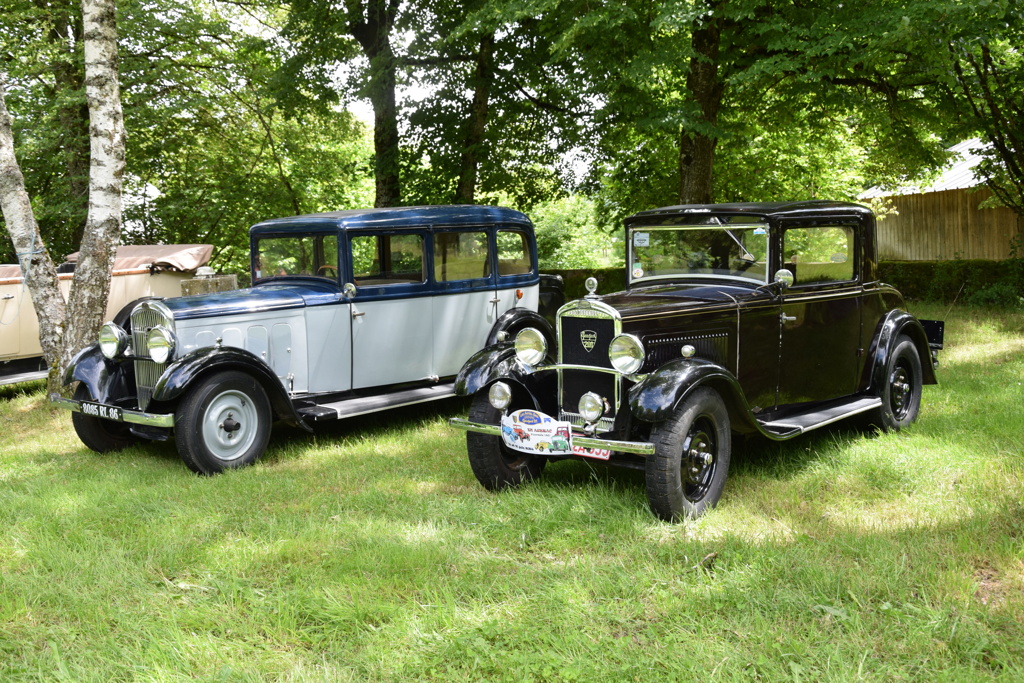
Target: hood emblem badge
{"x":588,"y":338}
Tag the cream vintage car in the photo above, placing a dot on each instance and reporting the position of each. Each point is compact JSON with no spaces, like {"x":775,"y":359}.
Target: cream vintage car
{"x":139,"y":272}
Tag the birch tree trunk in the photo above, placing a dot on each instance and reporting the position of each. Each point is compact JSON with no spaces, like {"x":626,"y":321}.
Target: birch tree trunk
{"x":90,"y":287}
{"x":40,"y":273}
{"x":63,"y":330}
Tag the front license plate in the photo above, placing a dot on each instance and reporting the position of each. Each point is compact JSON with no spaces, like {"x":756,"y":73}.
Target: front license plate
{"x":103,"y":411}
{"x":531,"y":431}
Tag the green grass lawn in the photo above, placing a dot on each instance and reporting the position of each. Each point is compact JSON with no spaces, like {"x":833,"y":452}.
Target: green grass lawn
{"x":369,"y":552}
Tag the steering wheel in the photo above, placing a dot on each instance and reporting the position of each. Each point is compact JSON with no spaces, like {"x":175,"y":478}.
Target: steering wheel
{"x":327,"y":266}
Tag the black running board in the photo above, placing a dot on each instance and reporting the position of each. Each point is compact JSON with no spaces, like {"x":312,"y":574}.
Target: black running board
{"x":361,"y":405}
{"x":798,"y":423}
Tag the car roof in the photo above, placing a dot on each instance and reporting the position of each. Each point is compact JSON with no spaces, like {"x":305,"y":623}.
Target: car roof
{"x":394,"y":217}
{"x":772,"y":210}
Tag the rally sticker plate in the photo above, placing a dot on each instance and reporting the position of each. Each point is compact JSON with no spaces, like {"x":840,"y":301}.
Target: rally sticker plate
{"x":531,"y":431}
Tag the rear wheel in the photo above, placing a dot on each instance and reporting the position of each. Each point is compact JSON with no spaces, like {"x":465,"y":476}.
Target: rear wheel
{"x":102,"y":436}
{"x":223,"y":423}
{"x":901,"y":390}
{"x":687,"y":472}
{"x":497,"y":467}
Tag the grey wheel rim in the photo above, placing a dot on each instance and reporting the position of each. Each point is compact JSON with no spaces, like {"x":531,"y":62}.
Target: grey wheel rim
{"x":230,"y":425}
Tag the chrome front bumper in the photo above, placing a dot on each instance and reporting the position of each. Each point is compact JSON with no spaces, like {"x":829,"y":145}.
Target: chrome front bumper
{"x":637,"y":447}
{"x":134,"y":416}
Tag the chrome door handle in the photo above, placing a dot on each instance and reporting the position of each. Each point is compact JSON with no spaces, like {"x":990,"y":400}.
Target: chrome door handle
{"x":495,"y":300}
{"x":358,"y":314}
{"x":788,"y":318}
{"x":5,"y":297}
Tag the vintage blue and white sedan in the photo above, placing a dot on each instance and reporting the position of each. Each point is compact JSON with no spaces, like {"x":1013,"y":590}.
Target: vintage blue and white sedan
{"x":350,"y":312}
{"x":755,"y":319}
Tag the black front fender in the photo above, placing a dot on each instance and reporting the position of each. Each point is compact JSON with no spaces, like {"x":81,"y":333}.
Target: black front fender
{"x":182,"y":373}
{"x":654,"y":398}
{"x":513,"y":320}
{"x":108,"y":381}
{"x":499,"y":362}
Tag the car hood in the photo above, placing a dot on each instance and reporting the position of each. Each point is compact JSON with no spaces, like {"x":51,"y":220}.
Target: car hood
{"x":675,"y":297}
{"x":255,"y":300}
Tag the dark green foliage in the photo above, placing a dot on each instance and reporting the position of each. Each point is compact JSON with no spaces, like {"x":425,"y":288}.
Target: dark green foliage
{"x":988,"y":283}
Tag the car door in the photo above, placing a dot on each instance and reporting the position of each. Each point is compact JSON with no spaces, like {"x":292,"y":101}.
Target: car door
{"x":821,"y":313}
{"x":464,"y":303}
{"x":391,"y":314}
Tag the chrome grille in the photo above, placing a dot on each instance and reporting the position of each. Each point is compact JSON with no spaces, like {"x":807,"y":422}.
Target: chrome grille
{"x":582,"y":324}
{"x":145,"y":318}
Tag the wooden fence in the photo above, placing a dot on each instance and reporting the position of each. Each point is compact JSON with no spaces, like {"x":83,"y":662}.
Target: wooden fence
{"x":940,"y":226}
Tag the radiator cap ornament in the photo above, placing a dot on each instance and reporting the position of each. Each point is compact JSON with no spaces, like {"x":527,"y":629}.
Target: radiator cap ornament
{"x":591,"y":284}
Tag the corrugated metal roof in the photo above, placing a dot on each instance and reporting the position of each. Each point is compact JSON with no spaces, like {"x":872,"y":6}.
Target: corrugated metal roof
{"x":958,"y":176}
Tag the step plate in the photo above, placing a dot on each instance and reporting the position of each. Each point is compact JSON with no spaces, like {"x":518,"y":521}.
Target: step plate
{"x":362,"y":405}
{"x":800,"y":423}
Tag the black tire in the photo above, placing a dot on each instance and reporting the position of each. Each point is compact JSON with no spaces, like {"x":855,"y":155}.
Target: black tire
{"x":687,"y":472}
{"x":495,"y":466}
{"x":901,"y":387}
{"x":102,"y":436}
{"x":223,"y":423}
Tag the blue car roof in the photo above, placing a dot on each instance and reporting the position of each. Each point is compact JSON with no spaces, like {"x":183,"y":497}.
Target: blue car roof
{"x":391,"y":218}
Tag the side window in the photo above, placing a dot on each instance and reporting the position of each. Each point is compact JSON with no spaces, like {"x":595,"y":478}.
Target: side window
{"x":513,"y":253}
{"x":819,"y":254}
{"x":304,"y":255}
{"x":387,"y":259}
{"x":460,"y":256}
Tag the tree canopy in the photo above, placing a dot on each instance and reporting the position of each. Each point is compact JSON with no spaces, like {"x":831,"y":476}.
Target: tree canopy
{"x":236,"y":111}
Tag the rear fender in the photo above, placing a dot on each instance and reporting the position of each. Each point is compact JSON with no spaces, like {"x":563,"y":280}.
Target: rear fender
{"x":184,"y":372}
{"x":894,"y":325}
{"x":655,"y":398}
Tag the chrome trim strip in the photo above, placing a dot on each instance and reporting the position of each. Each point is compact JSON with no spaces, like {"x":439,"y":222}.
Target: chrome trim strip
{"x":635,"y":447}
{"x":134,"y":416}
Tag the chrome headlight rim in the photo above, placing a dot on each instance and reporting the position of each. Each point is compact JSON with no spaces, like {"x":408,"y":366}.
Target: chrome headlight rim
{"x":112,"y":340}
{"x":499,"y":395}
{"x":626,"y":353}
{"x":531,"y":346}
{"x":591,"y":407}
{"x":160,"y":344}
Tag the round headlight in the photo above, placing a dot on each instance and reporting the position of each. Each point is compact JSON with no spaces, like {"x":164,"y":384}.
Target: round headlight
{"x":626,"y":354}
{"x":500,"y":395}
{"x":591,"y":406}
{"x":113,"y":340}
{"x":160,"y":342}
{"x":531,"y":347}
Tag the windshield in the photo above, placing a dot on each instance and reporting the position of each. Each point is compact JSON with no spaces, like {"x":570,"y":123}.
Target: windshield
{"x":738,"y":251}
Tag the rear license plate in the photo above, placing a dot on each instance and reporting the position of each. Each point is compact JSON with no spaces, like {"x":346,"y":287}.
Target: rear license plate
{"x":531,"y":431}
{"x":102,"y":411}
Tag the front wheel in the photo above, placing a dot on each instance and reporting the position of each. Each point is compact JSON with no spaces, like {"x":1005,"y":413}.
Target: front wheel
{"x":102,"y":436}
{"x":223,"y":423}
{"x":497,"y":467}
{"x":687,"y":472}
{"x":901,"y":390}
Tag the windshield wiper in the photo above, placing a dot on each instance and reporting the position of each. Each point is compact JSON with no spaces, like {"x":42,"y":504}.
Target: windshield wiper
{"x":747,"y":256}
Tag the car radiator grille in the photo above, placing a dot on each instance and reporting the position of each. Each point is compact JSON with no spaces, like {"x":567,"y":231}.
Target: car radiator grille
{"x":578,"y":330}
{"x":146,"y":371}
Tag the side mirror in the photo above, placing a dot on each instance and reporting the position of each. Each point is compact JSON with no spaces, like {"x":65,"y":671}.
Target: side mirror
{"x":784,"y":277}
{"x":349,"y":290}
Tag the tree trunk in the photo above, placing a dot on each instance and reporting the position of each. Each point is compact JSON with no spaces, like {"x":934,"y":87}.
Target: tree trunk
{"x":705,"y":88}
{"x":465,"y":191}
{"x":373,"y":33}
{"x":36,"y":265}
{"x":91,"y":283}
{"x":90,"y":287}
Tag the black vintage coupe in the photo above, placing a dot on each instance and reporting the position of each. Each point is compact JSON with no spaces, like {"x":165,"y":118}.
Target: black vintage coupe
{"x":761,"y":319}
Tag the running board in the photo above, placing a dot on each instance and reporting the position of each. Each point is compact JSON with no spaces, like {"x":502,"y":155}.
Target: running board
{"x":23,"y":377}
{"x":361,"y":405}
{"x":799,"y":423}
